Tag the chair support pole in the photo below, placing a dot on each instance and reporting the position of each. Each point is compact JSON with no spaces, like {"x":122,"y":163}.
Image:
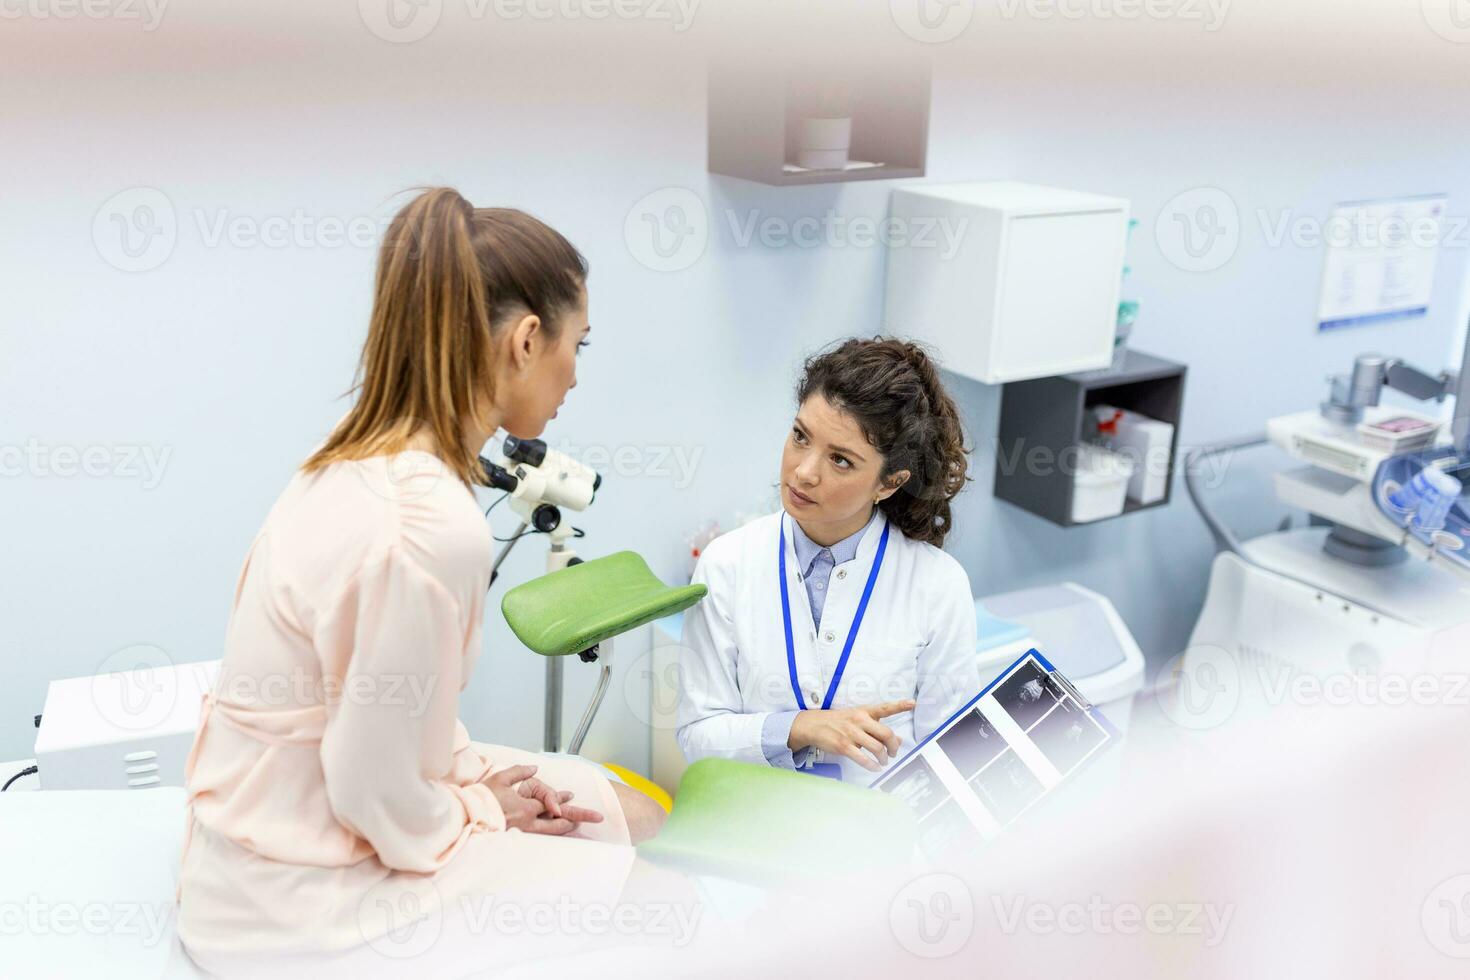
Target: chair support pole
{"x":602,"y":683}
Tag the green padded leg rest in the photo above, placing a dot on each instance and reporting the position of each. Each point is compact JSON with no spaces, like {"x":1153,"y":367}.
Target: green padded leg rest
{"x":761,"y":823}
{"x":578,"y":607}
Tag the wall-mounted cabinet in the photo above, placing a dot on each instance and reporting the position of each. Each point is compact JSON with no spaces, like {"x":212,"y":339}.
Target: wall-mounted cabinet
{"x":1008,"y":280}
{"x":1045,"y":421}
{"x":864,"y":117}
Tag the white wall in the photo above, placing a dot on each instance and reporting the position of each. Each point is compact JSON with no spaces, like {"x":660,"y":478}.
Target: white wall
{"x":229,"y":357}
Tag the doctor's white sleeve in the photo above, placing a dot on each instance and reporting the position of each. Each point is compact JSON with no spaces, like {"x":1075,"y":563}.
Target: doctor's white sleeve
{"x":711,"y":717}
{"x":949,"y":672}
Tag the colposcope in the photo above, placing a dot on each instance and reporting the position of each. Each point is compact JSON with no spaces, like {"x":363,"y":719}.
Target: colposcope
{"x":541,"y":482}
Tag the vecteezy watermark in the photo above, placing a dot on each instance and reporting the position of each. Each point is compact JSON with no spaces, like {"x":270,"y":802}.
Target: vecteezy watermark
{"x":1363,"y":227}
{"x":937,"y":21}
{"x":42,"y":461}
{"x":1098,"y":916}
{"x":676,"y":464}
{"x":1201,"y":229}
{"x":1450,"y":19}
{"x":1445,"y":917}
{"x":143,"y":922}
{"x":1201,"y":687}
{"x":932,"y":21}
{"x":667,"y":230}
{"x":1210,"y":14}
{"x":933,"y":916}
{"x":407,"y":475}
{"x":138,"y":229}
{"x":297,"y":688}
{"x":403,"y":917}
{"x":1284,"y":684}
{"x":673,"y":921}
{"x":148,"y":12}
{"x":1039,"y":460}
{"x":670,"y":229}
{"x":406,"y":21}
{"x":136,"y":688}
{"x":135,"y":230}
{"x":833,"y":230}
{"x":652,"y":683}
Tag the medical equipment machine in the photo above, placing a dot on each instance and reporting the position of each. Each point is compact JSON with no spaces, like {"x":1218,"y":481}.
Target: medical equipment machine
{"x":580,"y":608}
{"x":1078,"y":629}
{"x":122,"y":729}
{"x":1380,"y":577}
{"x":540,"y":482}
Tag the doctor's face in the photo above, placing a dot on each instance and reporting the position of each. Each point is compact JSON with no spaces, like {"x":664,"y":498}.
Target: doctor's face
{"x":831,"y":476}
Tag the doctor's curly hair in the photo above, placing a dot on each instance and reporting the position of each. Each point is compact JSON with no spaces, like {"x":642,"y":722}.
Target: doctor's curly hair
{"x":891,"y":388}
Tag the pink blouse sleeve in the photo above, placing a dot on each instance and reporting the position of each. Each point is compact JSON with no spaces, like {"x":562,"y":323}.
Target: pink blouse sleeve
{"x":388,"y":753}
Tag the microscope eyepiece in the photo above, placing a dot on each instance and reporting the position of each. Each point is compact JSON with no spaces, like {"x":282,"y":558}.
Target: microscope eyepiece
{"x":497,"y":477}
{"x":532,"y":452}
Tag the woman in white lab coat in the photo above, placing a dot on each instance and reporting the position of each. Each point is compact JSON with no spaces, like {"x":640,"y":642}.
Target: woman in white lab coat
{"x":836,"y":633}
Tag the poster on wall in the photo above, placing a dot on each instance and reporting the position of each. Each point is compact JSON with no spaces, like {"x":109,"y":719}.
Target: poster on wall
{"x":1380,"y":260}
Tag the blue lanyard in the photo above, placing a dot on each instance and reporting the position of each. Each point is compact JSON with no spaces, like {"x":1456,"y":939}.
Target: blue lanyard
{"x":857,"y":620}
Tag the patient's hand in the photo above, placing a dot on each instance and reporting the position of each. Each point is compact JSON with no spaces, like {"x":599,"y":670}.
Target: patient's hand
{"x":532,"y":806}
{"x":854,"y":732}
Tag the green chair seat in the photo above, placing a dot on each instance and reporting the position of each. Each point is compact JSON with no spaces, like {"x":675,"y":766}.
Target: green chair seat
{"x":578,"y":607}
{"x":763,"y":824}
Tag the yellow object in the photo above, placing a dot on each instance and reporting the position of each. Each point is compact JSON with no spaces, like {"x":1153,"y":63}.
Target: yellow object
{"x":644,"y":785}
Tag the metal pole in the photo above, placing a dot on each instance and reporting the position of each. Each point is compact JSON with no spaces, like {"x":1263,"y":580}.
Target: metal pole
{"x":591,"y":712}
{"x":551,"y":736}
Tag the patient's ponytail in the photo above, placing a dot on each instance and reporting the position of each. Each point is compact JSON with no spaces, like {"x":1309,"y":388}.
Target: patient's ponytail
{"x":449,"y":276}
{"x":892,"y":390}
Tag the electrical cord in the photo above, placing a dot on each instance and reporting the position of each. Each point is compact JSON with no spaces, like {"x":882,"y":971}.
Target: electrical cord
{"x":29,"y":771}
{"x":1225,"y":539}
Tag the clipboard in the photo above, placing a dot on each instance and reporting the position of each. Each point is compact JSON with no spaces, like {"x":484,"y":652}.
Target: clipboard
{"x":1009,"y":747}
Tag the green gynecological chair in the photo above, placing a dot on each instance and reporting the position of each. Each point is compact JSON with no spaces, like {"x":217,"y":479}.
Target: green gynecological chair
{"x":727,"y":818}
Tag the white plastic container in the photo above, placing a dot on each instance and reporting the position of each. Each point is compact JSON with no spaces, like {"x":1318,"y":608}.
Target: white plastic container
{"x":1146,"y":443}
{"x":1100,"y":484}
{"x":824,"y":143}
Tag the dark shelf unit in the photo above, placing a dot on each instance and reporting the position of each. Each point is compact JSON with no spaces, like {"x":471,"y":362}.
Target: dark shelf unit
{"x":756,"y":109}
{"x":1051,"y":413}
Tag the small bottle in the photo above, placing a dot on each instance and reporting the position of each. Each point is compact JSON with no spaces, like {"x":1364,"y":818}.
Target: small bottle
{"x":1434,"y":509}
{"x":1428,"y":497}
{"x":1427,"y":483}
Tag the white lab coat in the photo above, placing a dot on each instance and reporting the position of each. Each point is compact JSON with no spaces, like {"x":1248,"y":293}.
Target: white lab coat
{"x":917,"y":641}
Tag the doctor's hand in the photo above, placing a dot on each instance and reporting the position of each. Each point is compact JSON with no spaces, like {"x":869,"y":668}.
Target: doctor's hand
{"x":532,"y":806}
{"x":854,"y":732}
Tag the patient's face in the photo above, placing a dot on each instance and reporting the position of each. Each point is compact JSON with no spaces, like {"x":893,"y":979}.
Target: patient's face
{"x":830,"y":473}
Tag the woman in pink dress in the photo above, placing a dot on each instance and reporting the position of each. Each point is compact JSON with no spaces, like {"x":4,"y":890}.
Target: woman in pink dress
{"x":339,"y":813}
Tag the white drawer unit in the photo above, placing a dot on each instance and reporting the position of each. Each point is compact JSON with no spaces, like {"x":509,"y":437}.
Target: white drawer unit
{"x":1009,"y":281}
